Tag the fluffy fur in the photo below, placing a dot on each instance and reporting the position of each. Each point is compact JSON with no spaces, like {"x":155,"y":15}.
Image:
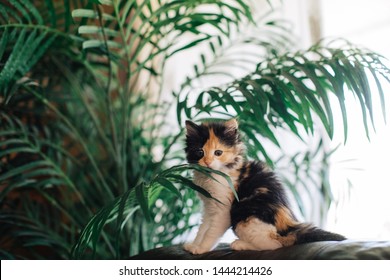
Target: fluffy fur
{"x":262,"y":218}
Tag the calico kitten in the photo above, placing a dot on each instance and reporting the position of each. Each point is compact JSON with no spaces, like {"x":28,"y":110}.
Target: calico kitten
{"x":262,"y":218}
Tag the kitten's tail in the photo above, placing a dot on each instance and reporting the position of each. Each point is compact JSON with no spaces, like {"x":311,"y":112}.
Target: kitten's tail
{"x":306,"y":233}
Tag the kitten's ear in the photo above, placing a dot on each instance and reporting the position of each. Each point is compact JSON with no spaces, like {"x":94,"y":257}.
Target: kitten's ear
{"x":231,"y":125}
{"x":191,"y":128}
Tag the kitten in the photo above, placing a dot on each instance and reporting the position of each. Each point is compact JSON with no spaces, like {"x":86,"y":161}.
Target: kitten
{"x":262,"y":218}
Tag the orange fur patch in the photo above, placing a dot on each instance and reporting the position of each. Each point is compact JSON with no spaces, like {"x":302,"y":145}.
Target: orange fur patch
{"x":288,"y":240}
{"x":284,"y":219}
{"x":247,"y":170}
{"x":262,"y":190}
{"x":213,"y":144}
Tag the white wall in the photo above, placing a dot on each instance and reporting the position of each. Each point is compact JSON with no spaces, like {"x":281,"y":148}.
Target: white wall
{"x":360,"y":172}
{"x":363,"y":211}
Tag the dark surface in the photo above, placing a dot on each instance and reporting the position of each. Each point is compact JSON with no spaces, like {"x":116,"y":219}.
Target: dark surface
{"x":324,"y":250}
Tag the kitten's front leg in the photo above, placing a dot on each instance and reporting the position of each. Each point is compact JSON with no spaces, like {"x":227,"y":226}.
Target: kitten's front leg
{"x":208,"y":235}
{"x":193,"y":246}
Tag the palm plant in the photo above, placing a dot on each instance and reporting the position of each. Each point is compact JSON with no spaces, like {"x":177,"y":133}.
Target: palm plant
{"x":91,"y":162}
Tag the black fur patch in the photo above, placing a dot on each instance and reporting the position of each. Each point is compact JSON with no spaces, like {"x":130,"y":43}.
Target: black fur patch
{"x":307,"y":233}
{"x":229,"y":137}
{"x":251,"y":202}
{"x":196,"y":137}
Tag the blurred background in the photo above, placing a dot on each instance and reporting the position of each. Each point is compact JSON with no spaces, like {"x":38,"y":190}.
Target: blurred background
{"x":364,"y":208}
{"x":359,"y":170}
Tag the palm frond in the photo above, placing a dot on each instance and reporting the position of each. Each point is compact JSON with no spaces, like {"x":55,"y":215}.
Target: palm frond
{"x":144,"y":31}
{"x":287,"y":91}
{"x":40,"y":171}
{"x":33,"y":232}
{"x":141,"y":197}
{"x":231,"y":58}
{"x":25,"y":24}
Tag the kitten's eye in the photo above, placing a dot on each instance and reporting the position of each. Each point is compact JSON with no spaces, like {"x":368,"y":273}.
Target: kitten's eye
{"x":199,"y":153}
{"x":218,"y":153}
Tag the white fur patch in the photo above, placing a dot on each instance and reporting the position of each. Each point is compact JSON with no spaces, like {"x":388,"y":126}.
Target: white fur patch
{"x":217,"y":187}
{"x":216,"y":216}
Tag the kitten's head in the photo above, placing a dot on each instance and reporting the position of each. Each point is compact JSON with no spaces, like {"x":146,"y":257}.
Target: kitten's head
{"x":216,"y":145}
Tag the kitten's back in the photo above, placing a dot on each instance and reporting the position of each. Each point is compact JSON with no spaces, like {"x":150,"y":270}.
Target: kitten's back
{"x":261,"y":195}
{"x":264,"y":198}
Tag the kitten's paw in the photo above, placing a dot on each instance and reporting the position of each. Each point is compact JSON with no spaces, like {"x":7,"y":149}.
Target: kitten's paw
{"x":189,"y":246}
{"x":239,"y":245}
{"x":194,"y":249}
{"x":235,"y":245}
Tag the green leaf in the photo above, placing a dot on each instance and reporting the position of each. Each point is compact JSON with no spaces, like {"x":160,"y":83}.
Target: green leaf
{"x":192,"y":185}
{"x":142,"y":198}
{"x":24,"y":168}
{"x":90,"y":29}
{"x":189,"y":45}
{"x":209,"y":172}
{"x":169,"y":186}
{"x":98,"y":43}
{"x":86,"y":13}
